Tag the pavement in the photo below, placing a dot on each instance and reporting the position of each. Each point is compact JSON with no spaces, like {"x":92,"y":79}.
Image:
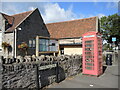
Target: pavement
{"x":109,"y":79}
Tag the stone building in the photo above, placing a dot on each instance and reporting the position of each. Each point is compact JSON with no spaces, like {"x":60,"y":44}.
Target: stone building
{"x":52,"y":38}
{"x":19,"y":28}
{"x":69,"y":33}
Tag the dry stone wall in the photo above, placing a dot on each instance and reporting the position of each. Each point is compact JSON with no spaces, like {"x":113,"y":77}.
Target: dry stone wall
{"x":22,"y":72}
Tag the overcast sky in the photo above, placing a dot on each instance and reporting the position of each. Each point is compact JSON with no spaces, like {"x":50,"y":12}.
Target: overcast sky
{"x":62,"y":11}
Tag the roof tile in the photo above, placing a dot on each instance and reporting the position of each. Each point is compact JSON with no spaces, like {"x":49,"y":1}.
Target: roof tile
{"x":73,"y":28}
{"x":9,"y":18}
{"x":17,"y":19}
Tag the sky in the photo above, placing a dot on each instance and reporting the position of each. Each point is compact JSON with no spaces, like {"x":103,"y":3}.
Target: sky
{"x":62,"y":11}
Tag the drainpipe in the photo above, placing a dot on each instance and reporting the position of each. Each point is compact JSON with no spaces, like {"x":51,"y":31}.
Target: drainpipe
{"x":14,"y":44}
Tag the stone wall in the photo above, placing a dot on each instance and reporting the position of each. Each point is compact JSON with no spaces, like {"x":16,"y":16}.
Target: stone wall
{"x":1,"y":76}
{"x":25,"y":72}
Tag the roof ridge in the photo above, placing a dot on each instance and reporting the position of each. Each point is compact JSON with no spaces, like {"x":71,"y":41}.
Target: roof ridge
{"x":8,"y":17}
{"x":72,"y":20}
{"x":28,"y":14}
{"x":21,"y":13}
{"x":6,"y":14}
{"x":25,"y":17}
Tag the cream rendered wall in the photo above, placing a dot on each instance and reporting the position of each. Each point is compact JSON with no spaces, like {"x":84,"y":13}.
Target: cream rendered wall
{"x":2,"y":29}
{"x":9,"y":38}
{"x":70,"y":41}
{"x":72,"y":50}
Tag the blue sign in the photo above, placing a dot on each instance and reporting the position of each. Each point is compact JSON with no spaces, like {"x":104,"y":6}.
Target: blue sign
{"x":113,"y":39}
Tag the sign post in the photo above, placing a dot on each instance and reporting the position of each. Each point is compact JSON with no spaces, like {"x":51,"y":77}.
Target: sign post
{"x":113,"y":40}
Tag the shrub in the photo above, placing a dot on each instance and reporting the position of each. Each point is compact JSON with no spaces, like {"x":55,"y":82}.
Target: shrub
{"x":23,"y":47}
{"x":6,"y":45}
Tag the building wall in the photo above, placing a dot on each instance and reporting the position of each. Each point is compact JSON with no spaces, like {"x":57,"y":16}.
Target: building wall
{"x":9,"y":38}
{"x":33,"y":26}
{"x":70,"y":41}
{"x":2,"y":29}
{"x":2,"y":23}
{"x":6,"y":37}
{"x":72,"y":50}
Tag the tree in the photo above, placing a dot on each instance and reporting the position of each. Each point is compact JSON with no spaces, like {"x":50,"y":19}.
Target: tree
{"x":110,"y":27}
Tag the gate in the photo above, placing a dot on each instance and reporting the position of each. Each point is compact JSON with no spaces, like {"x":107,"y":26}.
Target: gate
{"x":41,"y":80}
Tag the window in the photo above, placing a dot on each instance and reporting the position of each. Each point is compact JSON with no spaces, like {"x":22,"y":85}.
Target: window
{"x":48,"y":45}
{"x":89,"y":41}
{"x":44,"y":44}
{"x":32,"y":43}
{"x":53,"y":45}
{"x":7,"y":25}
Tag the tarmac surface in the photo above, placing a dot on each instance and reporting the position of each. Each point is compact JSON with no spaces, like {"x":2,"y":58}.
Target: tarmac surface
{"x":109,"y":79}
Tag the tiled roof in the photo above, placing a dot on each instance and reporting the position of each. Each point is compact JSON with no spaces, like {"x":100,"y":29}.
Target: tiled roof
{"x":73,"y":28}
{"x":18,"y":18}
{"x":9,"y":18}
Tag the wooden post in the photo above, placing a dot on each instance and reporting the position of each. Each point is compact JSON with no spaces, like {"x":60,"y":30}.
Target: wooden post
{"x":59,"y":48}
{"x":37,"y":78}
{"x":37,"y":46}
{"x":57,"y":73}
{"x":53,"y":53}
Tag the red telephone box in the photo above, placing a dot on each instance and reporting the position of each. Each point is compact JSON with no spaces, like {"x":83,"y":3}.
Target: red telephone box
{"x":92,"y":53}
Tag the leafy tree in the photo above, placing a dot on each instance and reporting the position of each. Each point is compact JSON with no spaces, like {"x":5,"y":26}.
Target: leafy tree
{"x":110,"y":27}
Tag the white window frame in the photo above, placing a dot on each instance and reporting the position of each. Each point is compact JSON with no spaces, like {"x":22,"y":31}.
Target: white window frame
{"x":32,"y":43}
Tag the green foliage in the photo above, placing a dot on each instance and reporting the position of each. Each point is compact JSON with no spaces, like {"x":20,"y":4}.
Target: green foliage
{"x":23,"y":47}
{"x":104,"y":58}
{"x":110,"y":26}
{"x":6,"y":45}
{"x":107,"y":47}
